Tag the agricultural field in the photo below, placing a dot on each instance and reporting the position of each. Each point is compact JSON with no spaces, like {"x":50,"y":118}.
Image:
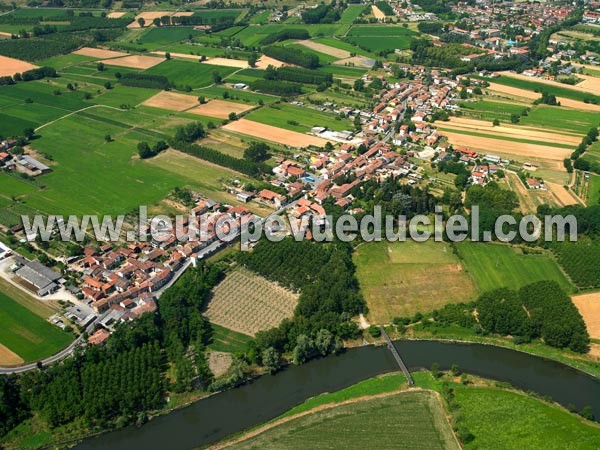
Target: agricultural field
{"x":270,"y":133}
{"x":298,"y":118}
{"x":370,"y":423}
{"x":589,"y":308}
{"x":380,"y":38}
{"x":184,"y":73}
{"x":351,"y":13}
{"x":579,"y":260}
{"x":158,"y":37}
{"x":493,"y":266}
{"x":229,"y":341}
{"x":593,"y":190}
{"x":538,"y":87}
{"x":403,"y":278}
{"x":248,"y":303}
{"x":26,"y":334}
{"x":502,"y":419}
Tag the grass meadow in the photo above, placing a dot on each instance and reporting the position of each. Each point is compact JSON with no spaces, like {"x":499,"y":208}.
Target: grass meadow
{"x":226,"y":340}
{"x":502,"y":419}
{"x":27,"y":334}
{"x":297,"y":118}
{"x":494,"y":266}
{"x":193,"y":74}
{"x":594,"y":190}
{"x":403,"y":278}
{"x":414,"y":419}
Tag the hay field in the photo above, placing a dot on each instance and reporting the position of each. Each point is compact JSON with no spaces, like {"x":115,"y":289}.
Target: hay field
{"x":561,"y":194}
{"x":248,"y":303}
{"x":274,"y":134}
{"x":134,"y":62}
{"x":171,"y":101}
{"x":328,"y":50}
{"x":227,"y":62}
{"x":403,"y":278}
{"x":509,"y":131}
{"x":589,"y":308}
{"x":266,"y":61}
{"x":98,"y":53}
{"x":524,"y":93}
{"x":507,"y":147}
{"x":220,"y":109}
{"x":8,"y":358}
{"x":115,"y":14}
{"x":10,"y":66}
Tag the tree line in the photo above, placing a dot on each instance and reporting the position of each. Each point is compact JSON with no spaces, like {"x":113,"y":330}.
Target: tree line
{"x":292,"y":56}
{"x":284,"y":35}
{"x":298,"y":75}
{"x":276,"y":87}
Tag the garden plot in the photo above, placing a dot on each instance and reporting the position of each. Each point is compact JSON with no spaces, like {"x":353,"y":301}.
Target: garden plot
{"x":248,"y":303}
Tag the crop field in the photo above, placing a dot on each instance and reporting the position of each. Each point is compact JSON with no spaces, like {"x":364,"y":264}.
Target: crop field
{"x":324,"y":58}
{"x":404,"y":420}
{"x":501,"y":419}
{"x":403,"y":278}
{"x":157,"y":37}
{"x":494,"y":266}
{"x":380,"y":38}
{"x":172,"y":101}
{"x":184,"y":73}
{"x":566,"y":120}
{"x":224,"y":340}
{"x":26,"y":334}
{"x":594,"y":190}
{"x":343,"y":45}
{"x":537,"y":86}
{"x":220,"y":109}
{"x":247,"y":303}
{"x":490,"y":110}
{"x":589,"y":308}
{"x":298,"y":118}
{"x":274,"y":134}
{"x":351,"y":13}
{"x":134,"y":61}
{"x":10,"y":66}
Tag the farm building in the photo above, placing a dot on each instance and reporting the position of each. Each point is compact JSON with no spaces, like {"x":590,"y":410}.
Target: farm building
{"x":38,"y":276}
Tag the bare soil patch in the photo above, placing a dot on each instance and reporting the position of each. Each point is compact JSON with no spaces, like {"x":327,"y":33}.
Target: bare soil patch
{"x":134,"y":61}
{"x":10,"y":66}
{"x":8,"y":358}
{"x":98,"y":53}
{"x":379,"y":15}
{"x":220,"y":109}
{"x":172,"y":101}
{"x":248,"y":303}
{"x":589,"y":308}
{"x":562,"y":195}
{"x":227,"y":62}
{"x":219,"y":363}
{"x":327,"y":49}
{"x":265,"y":61}
{"x":356,"y":61}
{"x":494,"y":145}
{"x":115,"y":14}
{"x":274,"y":134}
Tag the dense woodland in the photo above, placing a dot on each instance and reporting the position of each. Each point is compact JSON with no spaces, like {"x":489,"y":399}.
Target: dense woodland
{"x":539,"y":310}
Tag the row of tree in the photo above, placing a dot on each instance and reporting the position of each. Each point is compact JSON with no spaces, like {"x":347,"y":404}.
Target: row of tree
{"x":292,"y":56}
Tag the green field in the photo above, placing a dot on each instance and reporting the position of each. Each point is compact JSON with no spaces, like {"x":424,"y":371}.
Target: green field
{"x":27,"y":334}
{"x":494,"y":266}
{"x":157,"y":37}
{"x":380,"y":38}
{"x":501,"y":420}
{"x":403,"y":278}
{"x":561,"y":119}
{"x":490,"y":110}
{"x":344,"y":71}
{"x":297,"y":118}
{"x":193,"y":74}
{"x":594,"y":190}
{"x":343,"y":45}
{"x":351,"y":13}
{"x":225,"y":340}
{"x":323,"y":57}
{"x":535,"y":86}
{"x":405,"y":420}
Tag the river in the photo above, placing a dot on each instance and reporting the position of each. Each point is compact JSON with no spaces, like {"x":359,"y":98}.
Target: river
{"x":210,"y":420}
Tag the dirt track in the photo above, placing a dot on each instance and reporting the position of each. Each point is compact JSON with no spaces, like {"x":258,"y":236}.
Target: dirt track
{"x":274,"y":134}
{"x":589,"y":308}
{"x":10,"y":66}
{"x":493,"y":145}
{"x":220,"y":109}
